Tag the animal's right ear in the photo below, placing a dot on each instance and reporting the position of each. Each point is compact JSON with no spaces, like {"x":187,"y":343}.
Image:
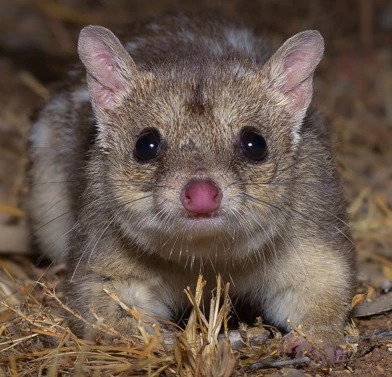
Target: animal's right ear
{"x":109,"y":67}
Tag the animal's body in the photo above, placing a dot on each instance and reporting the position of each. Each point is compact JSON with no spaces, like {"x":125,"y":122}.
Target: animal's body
{"x":193,"y":149}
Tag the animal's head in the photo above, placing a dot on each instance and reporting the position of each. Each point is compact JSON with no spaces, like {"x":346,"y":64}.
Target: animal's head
{"x":197,"y":153}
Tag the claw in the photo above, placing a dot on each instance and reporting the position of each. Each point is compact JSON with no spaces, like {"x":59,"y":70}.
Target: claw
{"x":326,"y":355}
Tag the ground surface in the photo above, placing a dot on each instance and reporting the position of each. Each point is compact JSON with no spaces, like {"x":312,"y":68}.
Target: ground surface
{"x":353,"y":88}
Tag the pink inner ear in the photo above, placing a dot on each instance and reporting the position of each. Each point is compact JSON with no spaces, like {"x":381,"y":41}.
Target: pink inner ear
{"x":301,"y":94}
{"x":107,"y":70}
{"x":295,"y":67}
{"x":103,"y":96}
{"x":105,"y":80}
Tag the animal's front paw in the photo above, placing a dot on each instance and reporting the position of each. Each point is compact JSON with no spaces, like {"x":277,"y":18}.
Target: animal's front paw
{"x":322,"y":353}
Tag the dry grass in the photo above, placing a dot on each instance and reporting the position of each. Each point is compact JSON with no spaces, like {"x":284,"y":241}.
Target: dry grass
{"x":35,"y":340}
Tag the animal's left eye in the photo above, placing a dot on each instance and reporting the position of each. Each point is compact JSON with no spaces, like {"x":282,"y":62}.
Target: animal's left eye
{"x":148,"y":145}
{"x":253,"y":144}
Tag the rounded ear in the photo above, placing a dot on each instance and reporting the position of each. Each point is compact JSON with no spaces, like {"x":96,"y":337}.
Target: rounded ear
{"x":109,"y":67}
{"x":290,"y":69}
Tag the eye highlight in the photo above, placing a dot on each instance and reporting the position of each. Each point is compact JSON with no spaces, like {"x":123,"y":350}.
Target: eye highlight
{"x":253,"y":144}
{"x":148,"y":145}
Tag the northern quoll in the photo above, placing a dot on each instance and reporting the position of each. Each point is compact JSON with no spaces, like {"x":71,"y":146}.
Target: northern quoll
{"x":191,"y":148}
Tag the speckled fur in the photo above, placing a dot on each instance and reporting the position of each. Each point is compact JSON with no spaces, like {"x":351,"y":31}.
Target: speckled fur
{"x":281,"y":239}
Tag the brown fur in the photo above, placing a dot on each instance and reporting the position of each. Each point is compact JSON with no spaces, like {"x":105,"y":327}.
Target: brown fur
{"x":281,"y":240}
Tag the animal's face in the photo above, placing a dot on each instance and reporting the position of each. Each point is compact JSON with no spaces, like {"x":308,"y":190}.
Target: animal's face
{"x":197,"y":155}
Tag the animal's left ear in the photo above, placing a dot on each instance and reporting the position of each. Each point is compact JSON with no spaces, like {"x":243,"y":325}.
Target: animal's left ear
{"x":290,"y":69}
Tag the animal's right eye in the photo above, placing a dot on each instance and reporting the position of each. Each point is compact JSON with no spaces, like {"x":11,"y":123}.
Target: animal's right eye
{"x":253,"y":144}
{"x":148,"y":145}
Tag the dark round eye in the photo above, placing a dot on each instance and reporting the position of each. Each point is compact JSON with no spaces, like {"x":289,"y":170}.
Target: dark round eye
{"x":148,"y":145}
{"x":253,"y":145}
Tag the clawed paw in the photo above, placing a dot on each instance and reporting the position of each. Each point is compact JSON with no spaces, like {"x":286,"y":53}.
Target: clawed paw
{"x":326,"y":355}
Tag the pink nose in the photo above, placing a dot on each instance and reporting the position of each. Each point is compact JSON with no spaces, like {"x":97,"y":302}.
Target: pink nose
{"x":201,"y":197}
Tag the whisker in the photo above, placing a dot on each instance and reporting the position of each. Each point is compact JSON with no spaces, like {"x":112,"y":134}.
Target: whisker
{"x":304,"y":216}
{"x":51,"y":220}
{"x":280,"y":172}
{"x":104,"y":227}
